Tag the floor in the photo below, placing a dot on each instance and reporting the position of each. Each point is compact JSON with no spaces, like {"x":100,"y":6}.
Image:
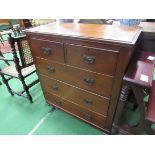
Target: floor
{"x":19,"y":117}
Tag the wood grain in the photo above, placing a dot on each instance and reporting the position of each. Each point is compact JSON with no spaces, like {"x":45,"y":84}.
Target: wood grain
{"x":104,"y":60}
{"x":111,"y":46}
{"x":99,"y":104}
{"x":76,"y":110}
{"x":124,"y":34}
{"x":102,"y":84}
{"x":48,"y":49}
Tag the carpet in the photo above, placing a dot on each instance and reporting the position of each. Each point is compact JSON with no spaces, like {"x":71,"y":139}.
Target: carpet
{"x":19,"y":117}
{"x":61,"y":123}
{"x":5,"y":48}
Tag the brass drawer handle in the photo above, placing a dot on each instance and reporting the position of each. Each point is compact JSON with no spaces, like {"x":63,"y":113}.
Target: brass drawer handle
{"x":55,"y":87}
{"x":46,"y":50}
{"x":88,"y":59}
{"x":87,"y":101}
{"x":87,"y":116}
{"x":89,"y":81}
{"x":51,"y":69}
{"x":58,"y":102}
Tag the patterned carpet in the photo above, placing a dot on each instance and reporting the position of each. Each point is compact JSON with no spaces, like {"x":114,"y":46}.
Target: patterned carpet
{"x":5,"y":48}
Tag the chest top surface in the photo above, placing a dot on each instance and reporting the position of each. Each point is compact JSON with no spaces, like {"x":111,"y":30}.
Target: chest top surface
{"x":111,"y":33}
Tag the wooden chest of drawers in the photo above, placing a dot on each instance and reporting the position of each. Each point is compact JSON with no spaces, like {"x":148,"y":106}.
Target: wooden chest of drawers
{"x":80,"y":67}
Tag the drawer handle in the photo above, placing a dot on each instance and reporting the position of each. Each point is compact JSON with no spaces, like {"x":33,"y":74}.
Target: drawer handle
{"x":87,"y":116}
{"x":58,"y":102}
{"x":89,"y":81}
{"x":55,"y":87}
{"x":46,"y":50}
{"x":88,"y":59}
{"x":51,"y":69}
{"x":87,"y":101}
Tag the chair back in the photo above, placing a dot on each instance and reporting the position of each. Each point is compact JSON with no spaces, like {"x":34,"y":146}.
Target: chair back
{"x":24,"y":52}
{"x":20,"y":44}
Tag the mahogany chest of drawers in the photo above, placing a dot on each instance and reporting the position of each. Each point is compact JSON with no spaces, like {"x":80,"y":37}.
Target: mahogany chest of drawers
{"x":80,"y":67}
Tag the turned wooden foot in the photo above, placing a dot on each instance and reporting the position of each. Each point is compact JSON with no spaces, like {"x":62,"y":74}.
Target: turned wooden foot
{"x":122,"y":100}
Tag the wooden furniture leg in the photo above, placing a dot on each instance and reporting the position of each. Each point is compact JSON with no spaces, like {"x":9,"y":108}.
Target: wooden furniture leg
{"x":139,"y":95}
{"x":7,"y":85}
{"x":142,"y":124}
{"x":122,"y":100}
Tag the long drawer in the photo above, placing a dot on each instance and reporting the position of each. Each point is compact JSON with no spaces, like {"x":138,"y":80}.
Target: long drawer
{"x":90,"y":81}
{"x":48,"y":49}
{"x":91,"y":58}
{"x":86,"y":99}
{"x":76,"y":110}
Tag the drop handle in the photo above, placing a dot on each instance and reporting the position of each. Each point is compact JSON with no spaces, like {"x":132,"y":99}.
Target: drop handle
{"x":88,"y":59}
{"x":89,"y":81}
{"x":46,"y":50}
{"x":58,"y":102}
{"x":87,"y":116}
{"x":87,"y":101}
{"x":51,"y":69}
{"x":55,"y":87}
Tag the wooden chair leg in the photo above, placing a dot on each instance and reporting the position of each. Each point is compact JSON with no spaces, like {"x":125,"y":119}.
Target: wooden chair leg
{"x":4,"y":60}
{"x":7,"y":84}
{"x":25,"y":87}
{"x":122,"y":100}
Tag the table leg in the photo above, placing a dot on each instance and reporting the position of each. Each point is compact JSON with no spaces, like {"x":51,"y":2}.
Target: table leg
{"x":122,"y":100}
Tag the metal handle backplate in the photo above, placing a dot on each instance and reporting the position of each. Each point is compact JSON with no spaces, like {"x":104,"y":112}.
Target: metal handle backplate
{"x":89,"y":81}
{"x":50,"y":69}
{"x":87,"y":101}
{"x":46,"y":50}
{"x":58,"y":102}
{"x":87,"y":116}
{"x":55,"y":87}
{"x":88,"y":59}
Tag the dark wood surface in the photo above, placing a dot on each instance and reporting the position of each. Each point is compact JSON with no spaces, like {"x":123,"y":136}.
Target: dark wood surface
{"x":48,"y":49}
{"x":86,"y":99}
{"x":22,"y":67}
{"x":132,"y":81}
{"x":143,"y":66}
{"x":124,"y":34}
{"x":92,"y":58}
{"x":77,"y":110}
{"x":112,"y":47}
{"x":91,"y":81}
{"x":147,"y":42}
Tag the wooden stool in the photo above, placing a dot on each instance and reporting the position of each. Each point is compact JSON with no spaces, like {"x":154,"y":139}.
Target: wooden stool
{"x":138,"y":79}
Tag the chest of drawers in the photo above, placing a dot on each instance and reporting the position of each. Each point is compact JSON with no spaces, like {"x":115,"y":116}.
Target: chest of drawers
{"x":80,"y":67}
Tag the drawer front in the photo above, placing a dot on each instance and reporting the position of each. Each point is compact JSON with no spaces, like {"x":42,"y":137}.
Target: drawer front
{"x":94,"y":59}
{"x":90,"y":81}
{"x":76,"y":110}
{"x":48,"y":49}
{"x":73,"y":94}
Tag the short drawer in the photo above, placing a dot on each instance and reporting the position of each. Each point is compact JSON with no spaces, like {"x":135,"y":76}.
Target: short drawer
{"x":91,"y":58}
{"x":47,"y":49}
{"x":76,"y":110}
{"x":86,"y":99}
{"x":90,"y":81}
